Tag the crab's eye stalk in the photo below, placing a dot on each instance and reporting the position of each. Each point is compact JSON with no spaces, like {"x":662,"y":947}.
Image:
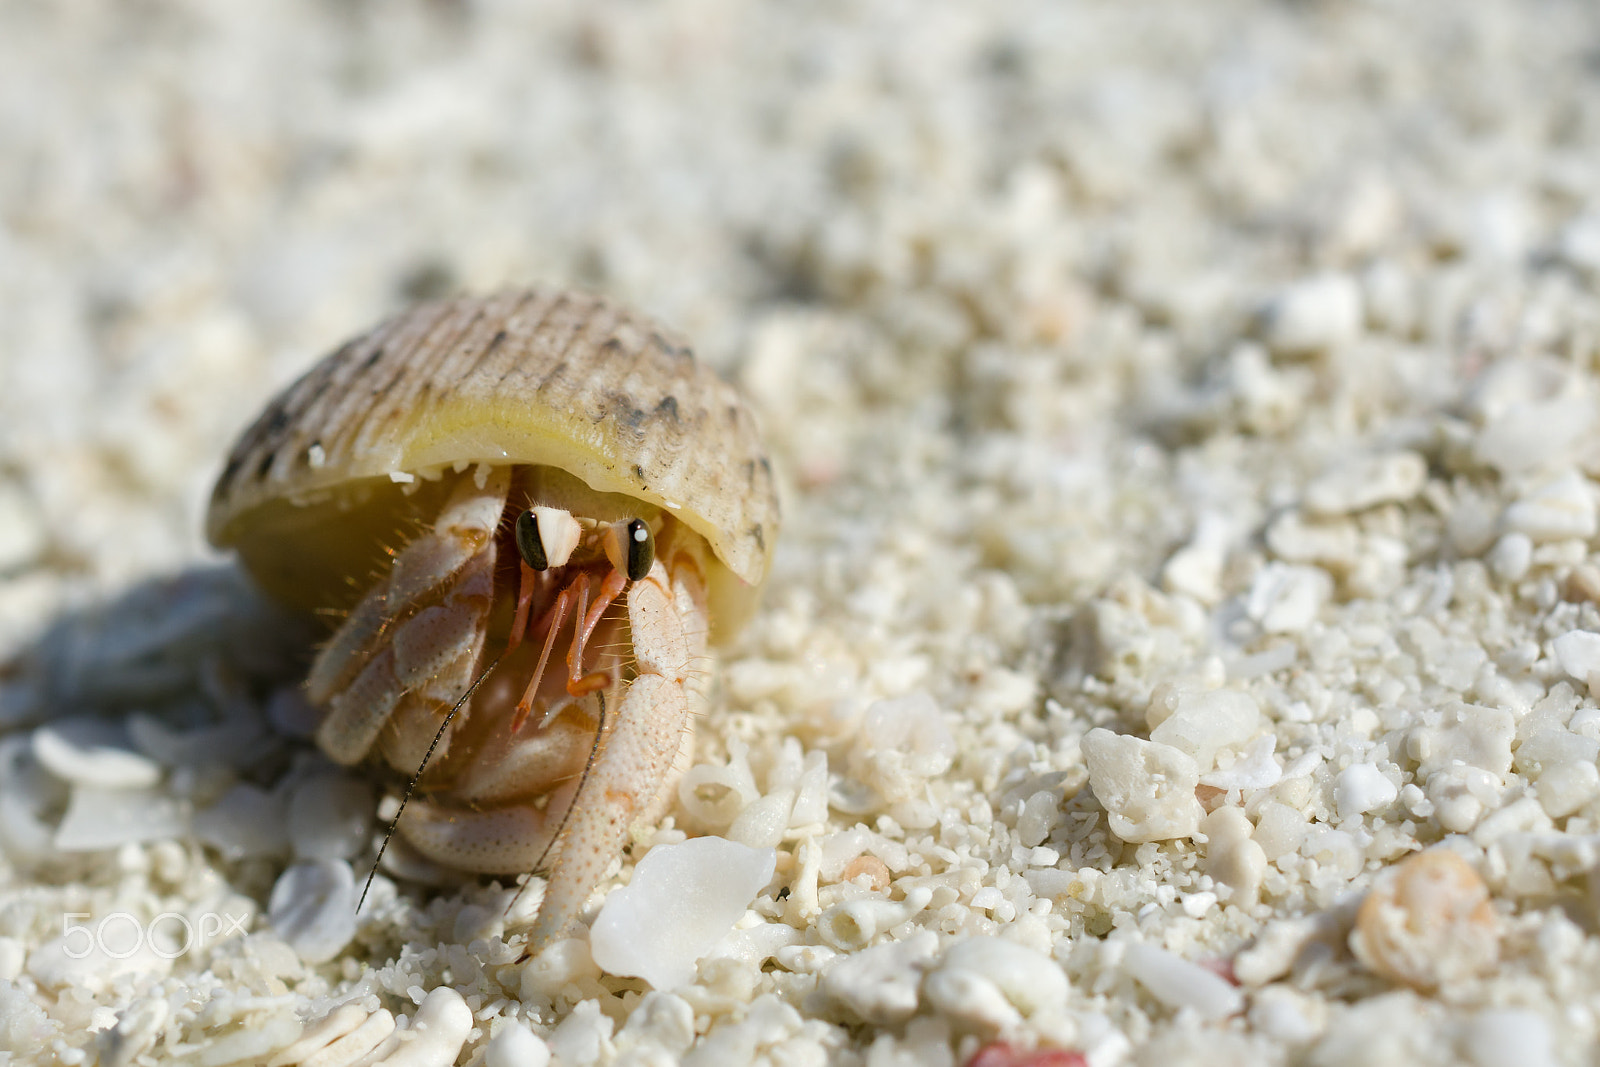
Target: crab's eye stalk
{"x":641,"y":549}
{"x":631,"y":548}
{"x":529,"y":545}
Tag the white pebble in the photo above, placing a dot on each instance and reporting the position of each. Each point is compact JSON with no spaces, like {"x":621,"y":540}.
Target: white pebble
{"x":1207,"y":720}
{"x":313,"y":908}
{"x":1256,"y":768}
{"x":838,"y":849}
{"x":1511,"y":557}
{"x":763,"y":823}
{"x":583,"y":1037}
{"x":879,"y":984}
{"x":1565,"y":787}
{"x":1314,"y":315}
{"x":1179,"y":984}
{"x":514,"y":1045}
{"x":324,"y":1032}
{"x":99,"y":819}
{"x":330,"y":817}
{"x":1464,"y":734}
{"x":976,"y":971}
{"x":245,"y":821}
{"x":681,"y":901}
{"x":344,"y":1036}
{"x":855,"y":923}
{"x":1146,"y":787}
{"x":1361,"y":788}
{"x":1559,"y":509}
{"x":1501,"y":1036}
{"x":1361,"y":482}
{"x":1286,"y":598}
{"x":1040,"y":814}
{"x":436,"y":1033}
{"x":1578,"y":652}
{"x":93,"y":753}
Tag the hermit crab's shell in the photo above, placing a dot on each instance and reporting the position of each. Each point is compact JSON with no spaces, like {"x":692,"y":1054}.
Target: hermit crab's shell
{"x":352,"y":459}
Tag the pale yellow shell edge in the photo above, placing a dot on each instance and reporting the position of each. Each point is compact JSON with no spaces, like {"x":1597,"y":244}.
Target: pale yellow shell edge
{"x":535,"y":377}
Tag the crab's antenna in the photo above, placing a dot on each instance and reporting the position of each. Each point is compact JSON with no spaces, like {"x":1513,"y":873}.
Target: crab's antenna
{"x":394,"y":823}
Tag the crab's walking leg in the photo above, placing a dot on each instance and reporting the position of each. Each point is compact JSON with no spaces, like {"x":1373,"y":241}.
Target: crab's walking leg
{"x":637,"y":747}
{"x":432,"y":609}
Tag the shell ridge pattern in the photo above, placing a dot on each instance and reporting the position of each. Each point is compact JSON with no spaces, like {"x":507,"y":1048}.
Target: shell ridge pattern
{"x":523,"y":377}
{"x":377,"y":429}
{"x":382,"y":366}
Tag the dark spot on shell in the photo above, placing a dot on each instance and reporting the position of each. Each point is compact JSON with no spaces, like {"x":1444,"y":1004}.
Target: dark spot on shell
{"x":265,"y":464}
{"x":638,"y":472}
{"x":611,"y":346}
{"x":230,"y":470}
{"x":668,"y":409}
{"x":676,"y":351}
{"x":552,"y":374}
{"x":366,"y":364}
{"x":760,"y":535}
{"x":496,"y":341}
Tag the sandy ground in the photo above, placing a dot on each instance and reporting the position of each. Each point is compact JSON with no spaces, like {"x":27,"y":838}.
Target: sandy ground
{"x":1185,"y":417}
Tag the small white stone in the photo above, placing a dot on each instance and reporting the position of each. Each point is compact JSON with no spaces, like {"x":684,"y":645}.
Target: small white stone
{"x":345,"y":1036}
{"x":1314,"y":315}
{"x":99,"y":819}
{"x":855,"y":923}
{"x":245,"y":821}
{"x":436,"y":1033}
{"x":1578,"y":652}
{"x":1273,"y":952}
{"x":763,"y":822}
{"x":1286,"y":598}
{"x":1256,"y":768}
{"x":1460,"y":794}
{"x":681,"y":901}
{"x":1361,"y":482}
{"x":90,"y":752}
{"x":1032,"y":982}
{"x":1041,"y":813}
{"x":1284,"y":1015}
{"x":880,"y":984}
{"x":583,"y":1037}
{"x":1565,"y":787}
{"x":1361,"y":788}
{"x":330,"y":817}
{"x":1208,"y":720}
{"x":1511,"y":557}
{"x":1464,"y":734}
{"x":1147,"y":788}
{"x":1179,"y":984}
{"x":1501,"y":1036}
{"x":94,"y":950}
{"x":339,"y":1022}
{"x":313,"y":908}
{"x":1560,"y":509}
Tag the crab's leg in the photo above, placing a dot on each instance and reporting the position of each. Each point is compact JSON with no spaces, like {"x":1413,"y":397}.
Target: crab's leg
{"x":636,"y":748}
{"x":433,"y":607}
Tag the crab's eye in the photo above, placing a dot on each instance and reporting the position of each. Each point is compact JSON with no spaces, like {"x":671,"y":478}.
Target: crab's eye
{"x":529,"y":545}
{"x":631,"y":548}
{"x":641,"y":549}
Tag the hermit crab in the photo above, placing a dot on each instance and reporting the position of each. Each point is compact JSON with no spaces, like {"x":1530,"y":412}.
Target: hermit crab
{"x":537,"y":506}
